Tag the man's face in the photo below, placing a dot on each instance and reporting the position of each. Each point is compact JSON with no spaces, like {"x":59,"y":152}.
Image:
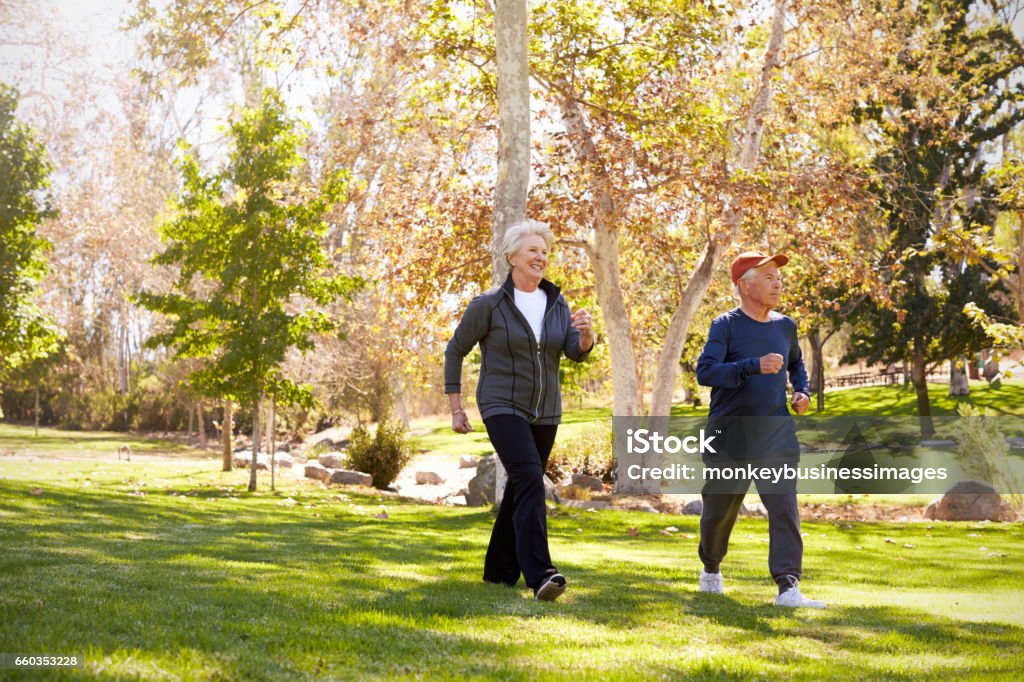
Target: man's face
{"x":764,"y":288}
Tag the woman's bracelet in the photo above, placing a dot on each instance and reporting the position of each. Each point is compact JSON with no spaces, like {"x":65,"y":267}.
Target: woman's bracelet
{"x":457,"y":411}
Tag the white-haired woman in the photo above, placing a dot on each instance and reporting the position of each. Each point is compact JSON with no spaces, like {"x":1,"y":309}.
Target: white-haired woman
{"x":523,"y":327}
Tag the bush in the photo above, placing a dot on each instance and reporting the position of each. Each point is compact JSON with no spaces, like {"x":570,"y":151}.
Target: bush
{"x":384,"y":455}
{"x":590,"y":453}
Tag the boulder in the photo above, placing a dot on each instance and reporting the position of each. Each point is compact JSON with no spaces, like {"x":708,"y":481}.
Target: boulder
{"x":551,"y":491}
{"x":243,"y":459}
{"x":283,"y":460}
{"x":468,"y":462}
{"x":428,"y":478}
{"x":929,"y":511}
{"x":756,"y":509}
{"x":694,"y":507}
{"x":332,"y":460}
{"x":317,"y":471}
{"x":589,"y":482}
{"x":480,"y":490}
{"x":345,"y":477}
{"x":969,"y":501}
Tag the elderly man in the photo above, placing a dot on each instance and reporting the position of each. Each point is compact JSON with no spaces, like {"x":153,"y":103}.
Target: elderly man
{"x":743,"y":361}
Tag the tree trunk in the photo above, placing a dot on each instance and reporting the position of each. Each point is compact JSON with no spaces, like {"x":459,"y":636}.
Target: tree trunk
{"x":227,"y":454}
{"x":604,"y":259}
{"x":191,"y":420}
{"x":817,"y":366}
{"x":919,"y":373}
{"x":37,"y":410}
{"x":271,"y":438}
{"x":201,"y":423}
{"x":256,"y":409}
{"x":732,"y":213}
{"x":513,"y":124}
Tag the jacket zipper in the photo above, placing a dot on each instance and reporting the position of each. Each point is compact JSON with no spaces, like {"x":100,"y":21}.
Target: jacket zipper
{"x":540,"y":362}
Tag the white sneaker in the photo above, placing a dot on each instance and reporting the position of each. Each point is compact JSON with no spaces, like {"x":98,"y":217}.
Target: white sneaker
{"x":711,"y":582}
{"x":794,"y":598}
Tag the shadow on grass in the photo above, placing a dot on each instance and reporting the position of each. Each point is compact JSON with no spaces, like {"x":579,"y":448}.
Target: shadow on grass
{"x":256,"y":590}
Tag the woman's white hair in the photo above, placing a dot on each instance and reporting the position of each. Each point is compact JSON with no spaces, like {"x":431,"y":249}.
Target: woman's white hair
{"x":748,"y":275}
{"x":518,"y":231}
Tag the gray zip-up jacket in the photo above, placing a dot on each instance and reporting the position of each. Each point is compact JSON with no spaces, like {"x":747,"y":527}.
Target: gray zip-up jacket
{"x":517,"y":375}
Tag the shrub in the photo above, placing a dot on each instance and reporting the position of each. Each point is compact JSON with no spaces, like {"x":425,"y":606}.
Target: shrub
{"x":589,"y":453}
{"x":384,"y":455}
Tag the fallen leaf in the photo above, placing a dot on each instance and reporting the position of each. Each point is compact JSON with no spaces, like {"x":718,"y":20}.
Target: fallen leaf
{"x":672,"y":529}
{"x":908,"y":546}
{"x":383,"y":515}
{"x":633,"y":532}
{"x":890,"y":541}
{"x":36,"y":491}
{"x":666,"y":533}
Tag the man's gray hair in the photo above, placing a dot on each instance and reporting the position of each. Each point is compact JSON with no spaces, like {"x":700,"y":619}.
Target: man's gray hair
{"x":748,"y":275}
{"x":518,"y":231}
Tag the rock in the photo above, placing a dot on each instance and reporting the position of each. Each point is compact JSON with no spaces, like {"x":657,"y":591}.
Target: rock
{"x":929,"y":511}
{"x":1008,"y":513}
{"x":551,"y":491}
{"x":283,"y":460}
{"x":428,"y":478}
{"x":694,"y":508}
{"x":640,"y":506}
{"x":756,"y":509}
{"x":969,"y":501}
{"x":317,"y":471}
{"x":468,"y":462}
{"x":332,"y":460}
{"x":587,"y":504}
{"x":480,"y":490}
{"x":345,"y":477}
{"x":500,"y":481}
{"x":589,"y":482}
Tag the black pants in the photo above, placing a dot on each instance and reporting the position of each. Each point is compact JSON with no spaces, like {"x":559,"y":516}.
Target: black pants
{"x":785,"y":546}
{"x":519,"y":540}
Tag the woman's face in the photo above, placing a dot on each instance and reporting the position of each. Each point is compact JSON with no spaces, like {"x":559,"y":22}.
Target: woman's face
{"x":532,"y":257}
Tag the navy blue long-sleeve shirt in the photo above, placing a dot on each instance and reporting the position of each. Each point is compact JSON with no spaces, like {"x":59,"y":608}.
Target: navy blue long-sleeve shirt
{"x":731,"y":365}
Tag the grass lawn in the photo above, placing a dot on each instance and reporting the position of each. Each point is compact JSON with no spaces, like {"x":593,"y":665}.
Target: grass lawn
{"x":164,"y":568}
{"x":72,"y":444}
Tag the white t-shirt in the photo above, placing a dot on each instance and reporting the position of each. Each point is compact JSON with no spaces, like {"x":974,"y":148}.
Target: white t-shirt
{"x":532,"y":305}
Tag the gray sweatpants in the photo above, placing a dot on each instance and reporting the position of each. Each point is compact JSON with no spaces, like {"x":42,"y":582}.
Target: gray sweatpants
{"x":785,"y":546}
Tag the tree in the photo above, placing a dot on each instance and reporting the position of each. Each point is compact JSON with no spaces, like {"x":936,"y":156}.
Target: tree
{"x":957,"y":89}
{"x":513,"y":123}
{"x":253,"y":233}
{"x":25,"y":332}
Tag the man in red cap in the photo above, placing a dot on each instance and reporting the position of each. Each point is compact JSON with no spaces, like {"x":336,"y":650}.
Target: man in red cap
{"x":743,"y":361}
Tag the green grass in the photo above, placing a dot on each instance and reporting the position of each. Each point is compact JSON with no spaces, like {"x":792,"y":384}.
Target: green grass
{"x":166,"y":569}
{"x":83,"y":443}
{"x":899,"y":400}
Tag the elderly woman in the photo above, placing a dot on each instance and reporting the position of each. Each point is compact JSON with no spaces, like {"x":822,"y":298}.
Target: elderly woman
{"x":523,"y":328}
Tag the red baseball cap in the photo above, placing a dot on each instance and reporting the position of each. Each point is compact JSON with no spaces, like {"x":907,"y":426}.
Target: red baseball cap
{"x":754,"y":259}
